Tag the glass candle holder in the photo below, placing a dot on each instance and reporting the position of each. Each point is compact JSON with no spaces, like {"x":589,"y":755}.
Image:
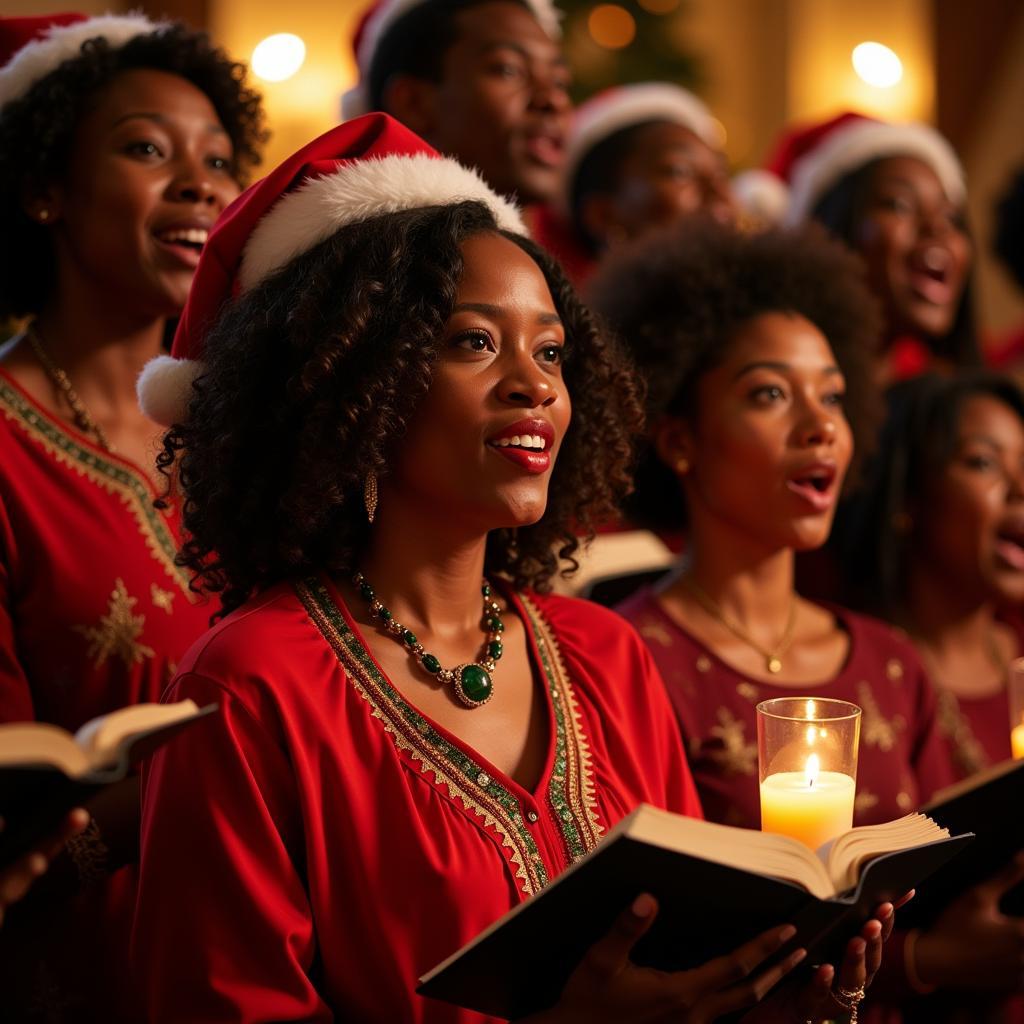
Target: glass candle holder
{"x":807,"y":762}
{"x":1015,"y":681}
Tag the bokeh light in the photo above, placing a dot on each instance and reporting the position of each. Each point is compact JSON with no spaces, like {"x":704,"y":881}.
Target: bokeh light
{"x":611,"y":26}
{"x":278,"y":57}
{"x":877,"y":65}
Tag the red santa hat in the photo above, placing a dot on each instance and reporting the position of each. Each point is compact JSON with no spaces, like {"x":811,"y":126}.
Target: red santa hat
{"x":362,"y":169}
{"x":813,"y":158}
{"x":625,"y":106}
{"x":379,"y":18}
{"x":30,"y":48}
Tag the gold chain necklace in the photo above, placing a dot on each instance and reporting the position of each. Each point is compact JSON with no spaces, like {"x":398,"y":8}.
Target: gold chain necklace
{"x":773,"y":657}
{"x":81,"y":415}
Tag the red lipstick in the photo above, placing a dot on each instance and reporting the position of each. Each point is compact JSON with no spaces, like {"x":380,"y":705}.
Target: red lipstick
{"x":526,"y":443}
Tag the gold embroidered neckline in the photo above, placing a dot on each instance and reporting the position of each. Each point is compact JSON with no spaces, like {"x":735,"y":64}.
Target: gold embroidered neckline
{"x":570,"y":793}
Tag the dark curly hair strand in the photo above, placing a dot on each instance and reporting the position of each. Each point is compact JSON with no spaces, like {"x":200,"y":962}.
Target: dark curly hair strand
{"x":313,"y":377}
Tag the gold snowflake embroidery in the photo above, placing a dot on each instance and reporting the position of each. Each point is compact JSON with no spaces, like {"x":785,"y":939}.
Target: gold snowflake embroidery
{"x":876,"y":730}
{"x":161,"y":598}
{"x":736,"y":757}
{"x":864,"y":801}
{"x":655,"y":631}
{"x":118,"y":632}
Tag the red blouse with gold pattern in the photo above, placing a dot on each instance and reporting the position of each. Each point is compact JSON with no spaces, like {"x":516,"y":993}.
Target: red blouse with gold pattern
{"x":94,"y":614}
{"x":902,"y":758}
{"x":319,"y":844}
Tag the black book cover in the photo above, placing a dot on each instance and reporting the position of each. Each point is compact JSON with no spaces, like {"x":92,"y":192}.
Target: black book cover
{"x":34,"y":799}
{"x":706,"y":910}
{"x":992,"y":810}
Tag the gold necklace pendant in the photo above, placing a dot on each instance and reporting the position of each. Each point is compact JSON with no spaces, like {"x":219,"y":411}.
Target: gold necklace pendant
{"x":773,"y":658}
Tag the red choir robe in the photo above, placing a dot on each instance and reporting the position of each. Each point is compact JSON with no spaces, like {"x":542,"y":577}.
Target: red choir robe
{"x":94,"y":615}
{"x":319,"y":844}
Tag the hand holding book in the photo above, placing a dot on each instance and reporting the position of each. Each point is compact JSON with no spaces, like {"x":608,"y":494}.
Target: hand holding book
{"x":608,"y":986}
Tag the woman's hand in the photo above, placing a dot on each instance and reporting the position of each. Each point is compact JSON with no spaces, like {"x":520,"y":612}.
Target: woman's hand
{"x":16,"y":880}
{"x":826,"y":996}
{"x":973,"y":946}
{"x":608,"y":987}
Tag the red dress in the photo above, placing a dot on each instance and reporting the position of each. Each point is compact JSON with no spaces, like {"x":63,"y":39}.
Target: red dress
{"x":902,"y":758}
{"x":319,"y":844}
{"x":93,"y":615}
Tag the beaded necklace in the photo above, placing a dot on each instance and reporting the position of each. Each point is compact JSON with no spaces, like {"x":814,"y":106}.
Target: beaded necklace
{"x":471,"y":681}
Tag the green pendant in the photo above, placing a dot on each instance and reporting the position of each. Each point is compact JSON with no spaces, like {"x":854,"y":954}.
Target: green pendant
{"x":474,"y":685}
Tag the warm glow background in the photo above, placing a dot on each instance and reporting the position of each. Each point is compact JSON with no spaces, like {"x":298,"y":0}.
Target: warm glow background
{"x":768,"y":63}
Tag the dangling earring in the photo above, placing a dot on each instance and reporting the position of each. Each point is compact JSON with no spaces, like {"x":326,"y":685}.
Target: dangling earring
{"x":683,"y":466}
{"x":370,"y":496}
{"x":44,"y":215}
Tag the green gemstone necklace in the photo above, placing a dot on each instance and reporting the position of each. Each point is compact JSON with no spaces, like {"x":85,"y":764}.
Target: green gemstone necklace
{"x":471,"y":682}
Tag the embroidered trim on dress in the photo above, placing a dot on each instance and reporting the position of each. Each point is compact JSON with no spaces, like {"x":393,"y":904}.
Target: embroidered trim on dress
{"x":117,"y":479}
{"x":571,"y":790}
{"x":968,"y":753}
{"x":463,"y":777}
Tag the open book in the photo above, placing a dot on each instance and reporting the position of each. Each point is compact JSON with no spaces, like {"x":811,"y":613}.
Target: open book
{"x":717,"y":887}
{"x":989,"y":804}
{"x":45,"y":770}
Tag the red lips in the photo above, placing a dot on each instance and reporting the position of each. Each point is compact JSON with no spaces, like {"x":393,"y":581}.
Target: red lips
{"x":526,"y":443}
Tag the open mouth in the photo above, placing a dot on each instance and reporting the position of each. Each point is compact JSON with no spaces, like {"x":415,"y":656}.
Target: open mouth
{"x":546,"y":148}
{"x":815,"y":485}
{"x":186,"y":243}
{"x":527,"y":444}
{"x":1009,"y":545}
{"x":931,"y":275}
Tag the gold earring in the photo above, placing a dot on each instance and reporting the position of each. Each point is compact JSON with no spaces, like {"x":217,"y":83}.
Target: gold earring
{"x":683,"y":466}
{"x":44,"y":215}
{"x":370,"y":496}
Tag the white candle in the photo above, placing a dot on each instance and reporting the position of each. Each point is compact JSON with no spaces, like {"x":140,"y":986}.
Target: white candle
{"x":812,"y":806}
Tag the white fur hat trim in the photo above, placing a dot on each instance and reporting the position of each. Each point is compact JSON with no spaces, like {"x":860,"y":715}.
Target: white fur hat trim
{"x":761,"y":194}
{"x":356,"y":192}
{"x":165,"y":386}
{"x":357,"y":100}
{"x":37,"y":59}
{"x":858,"y":143}
{"x":630,"y":105}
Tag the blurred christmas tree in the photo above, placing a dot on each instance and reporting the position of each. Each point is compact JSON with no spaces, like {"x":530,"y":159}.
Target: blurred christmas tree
{"x":636,"y":41}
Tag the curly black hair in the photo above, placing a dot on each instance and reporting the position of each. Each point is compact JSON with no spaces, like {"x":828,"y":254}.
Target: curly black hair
{"x":917,"y":441}
{"x":37,"y":133}
{"x":311,"y":380}
{"x":416,"y":42}
{"x":840,"y":211}
{"x":678,"y":296}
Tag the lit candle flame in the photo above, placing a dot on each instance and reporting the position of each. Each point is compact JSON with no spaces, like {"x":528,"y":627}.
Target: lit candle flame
{"x":811,"y":732}
{"x":811,"y":770}
{"x":811,"y":709}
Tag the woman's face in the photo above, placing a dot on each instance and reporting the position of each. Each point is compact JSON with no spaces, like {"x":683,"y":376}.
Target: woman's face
{"x":669,"y":173}
{"x":150,"y":171}
{"x":917,"y":251}
{"x":972,"y":523}
{"x":480,"y":450}
{"x":769,"y":445}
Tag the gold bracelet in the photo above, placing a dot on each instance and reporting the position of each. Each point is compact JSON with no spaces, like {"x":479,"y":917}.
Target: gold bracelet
{"x":910,"y":964}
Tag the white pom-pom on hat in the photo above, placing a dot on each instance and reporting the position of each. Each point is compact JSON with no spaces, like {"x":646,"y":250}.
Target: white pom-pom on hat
{"x":362,"y":169}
